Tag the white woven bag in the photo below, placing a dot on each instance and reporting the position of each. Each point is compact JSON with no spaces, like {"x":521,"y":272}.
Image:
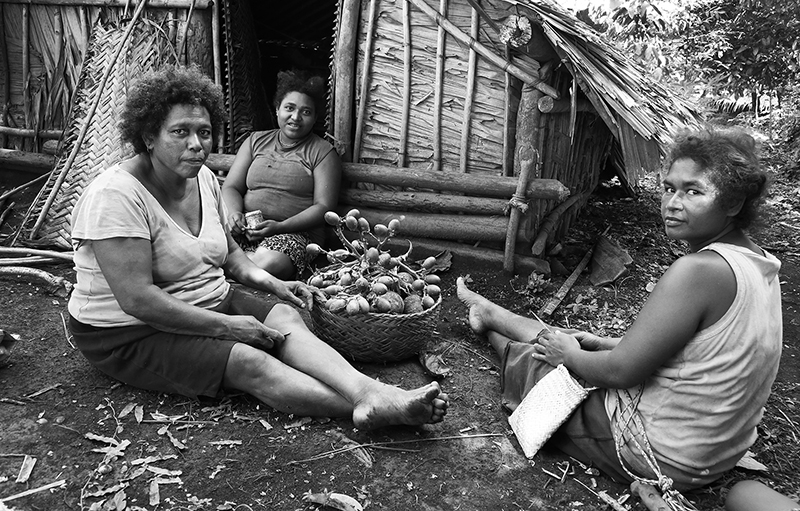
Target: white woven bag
{"x":545,"y":408}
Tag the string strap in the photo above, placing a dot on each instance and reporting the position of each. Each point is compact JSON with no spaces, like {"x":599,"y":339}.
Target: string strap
{"x":629,"y":418}
{"x":516,"y":201}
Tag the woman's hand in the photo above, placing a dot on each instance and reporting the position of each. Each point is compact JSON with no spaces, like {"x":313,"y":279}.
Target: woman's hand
{"x":554,"y":347}
{"x":263,"y":230}
{"x":248,"y":330}
{"x":236,"y":223}
{"x":298,"y":293}
{"x":591,"y":342}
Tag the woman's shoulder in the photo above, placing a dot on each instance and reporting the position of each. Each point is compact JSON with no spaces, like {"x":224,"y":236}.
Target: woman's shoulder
{"x":699,"y":268}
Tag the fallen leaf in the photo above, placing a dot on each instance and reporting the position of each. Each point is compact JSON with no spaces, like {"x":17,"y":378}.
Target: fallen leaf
{"x":105,"y":439}
{"x":25,"y":470}
{"x":332,"y":500}
{"x":266,"y":424}
{"x":165,"y":472}
{"x":748,"y":462}
{"x":298,"y":423}
{"x":125,"y":411}
{"x":155,"y":494}
{"x":433,"y":364}
{"x":226,"y":443}
{"x":138,"y":412}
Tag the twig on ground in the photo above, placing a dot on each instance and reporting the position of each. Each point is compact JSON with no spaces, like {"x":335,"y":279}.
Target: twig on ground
{"x":56,"y":484}
{"x":424,"y":462}
{"x":395,"y":442}
{"x":10,"y":401}
{"x":487,"y":359}
{"x":42,"y":391}
{"x":66,"y":330}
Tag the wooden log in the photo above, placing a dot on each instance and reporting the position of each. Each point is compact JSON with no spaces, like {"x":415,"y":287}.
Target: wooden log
{"x":540,"y":242}
{"x":161,"y":4}
{"x":424,"y":247}
{"x":29,"y":133}
{"x":527,"y":159}
{"x":362,"y":100}
{"x":512,"y":97}
{"x":26,"y":161}
{"x":473,"y":184}
{"x":345,"y":57}
{"x":548,"y":105}
{"x":483,"y":51}
{"x":469,"y":94}
{"x":422,"y":201}
{"x":554,"y":302}
{"x":439,"y":226}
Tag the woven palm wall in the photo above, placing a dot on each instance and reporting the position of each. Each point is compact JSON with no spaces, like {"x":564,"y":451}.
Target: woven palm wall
{"x":47,"y":222}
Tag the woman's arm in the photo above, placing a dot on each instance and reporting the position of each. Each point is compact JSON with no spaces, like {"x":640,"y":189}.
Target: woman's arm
{"x":235,"y":186}
{"x":242,"y":269}
{"x":327,"y":180}
{"x":693,"y":294}
{"x":126,"y":264}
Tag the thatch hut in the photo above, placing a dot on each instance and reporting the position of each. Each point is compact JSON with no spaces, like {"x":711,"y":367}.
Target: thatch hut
{"x":484,"y":122}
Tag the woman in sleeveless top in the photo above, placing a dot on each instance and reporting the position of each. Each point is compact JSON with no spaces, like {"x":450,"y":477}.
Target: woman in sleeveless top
{"x":698,"y":363}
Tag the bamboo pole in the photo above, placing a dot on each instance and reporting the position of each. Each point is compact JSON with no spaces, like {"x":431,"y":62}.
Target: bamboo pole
{"x":483,"y":51}
{"x":510,"y":119}
{"x":159,"y":4}
{"x":26,"y":61}
{"x":469,"y":95}
{"x":551,"y":304}
{"x":423,"y":201}
{"x":345,"y":56}
{"x":527,"y":158}
{"x":79,"y":141}
{"x":182,"y":53}
{"x":438,"y":83}
{"x":406,"y":104}
{"x":30,"y":133}
{"x":7,"y":81}
{"x":22,"y":187}
{"x":439,"y":226}
{"x":362,"y":100}
{"x":215,"y":44}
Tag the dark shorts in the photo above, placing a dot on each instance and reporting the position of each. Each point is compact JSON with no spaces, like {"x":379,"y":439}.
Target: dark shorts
{"x":150,"y":359}
{"x":586,"y":436}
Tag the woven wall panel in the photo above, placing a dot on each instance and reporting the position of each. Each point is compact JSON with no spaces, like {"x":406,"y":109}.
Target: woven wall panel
{"x":146,"y":49}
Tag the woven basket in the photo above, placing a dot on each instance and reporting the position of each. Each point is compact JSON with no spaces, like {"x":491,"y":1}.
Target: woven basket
{"x":376,"y":337}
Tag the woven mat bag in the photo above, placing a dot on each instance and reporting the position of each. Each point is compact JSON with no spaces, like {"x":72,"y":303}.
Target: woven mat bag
{"x":545,"y":408}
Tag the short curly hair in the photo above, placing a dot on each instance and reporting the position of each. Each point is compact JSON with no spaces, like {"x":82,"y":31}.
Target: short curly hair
{"x":304,"y":82}
{"x":729,"y":157}
{"x":151,"y":98}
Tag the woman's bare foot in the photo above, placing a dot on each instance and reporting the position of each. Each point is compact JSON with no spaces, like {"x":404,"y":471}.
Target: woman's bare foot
{"x":476,"y":304}
{"x":385,"y":405}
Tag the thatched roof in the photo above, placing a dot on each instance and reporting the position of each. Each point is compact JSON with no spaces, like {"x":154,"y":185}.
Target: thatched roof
{"x":614,"y":83}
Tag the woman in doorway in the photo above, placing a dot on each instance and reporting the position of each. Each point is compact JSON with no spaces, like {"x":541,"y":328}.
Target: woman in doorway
{"x":290,"y":175}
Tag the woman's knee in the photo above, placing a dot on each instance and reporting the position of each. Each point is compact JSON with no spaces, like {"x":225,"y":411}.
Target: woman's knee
{"x":755,"y":496}
{"x":248,"y":367}
{"x":284,"y":314}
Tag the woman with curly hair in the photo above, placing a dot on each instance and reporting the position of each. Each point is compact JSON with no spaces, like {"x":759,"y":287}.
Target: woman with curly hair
{"x":681,"y":393}
{"x":152,"y":306}
{"x":290,"y":175}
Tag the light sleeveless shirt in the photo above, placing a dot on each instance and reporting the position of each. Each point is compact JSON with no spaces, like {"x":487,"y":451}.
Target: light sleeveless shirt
{"x":700,"y":409}
{"x":188,"y":267}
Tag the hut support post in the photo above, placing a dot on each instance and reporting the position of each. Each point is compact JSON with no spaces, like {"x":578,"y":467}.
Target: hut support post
{"x":527,"y":159}
{"x":406,"y":108}
{"x":7,"y":81}
{"x":26,"y":61}
{"x":362,"y":101}
{"x":469,"y":94}
{"x":437,"y":93}
{"x":346,"y":39}
{"x":217,"y":60}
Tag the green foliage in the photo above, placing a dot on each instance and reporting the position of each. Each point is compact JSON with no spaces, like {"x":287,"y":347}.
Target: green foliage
{"x":710,"y":46}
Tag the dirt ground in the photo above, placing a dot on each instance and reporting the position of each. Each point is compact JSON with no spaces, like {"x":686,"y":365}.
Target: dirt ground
{"x":116,"y":447}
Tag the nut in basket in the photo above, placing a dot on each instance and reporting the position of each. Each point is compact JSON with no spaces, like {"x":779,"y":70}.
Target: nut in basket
{"x":378,"y":307}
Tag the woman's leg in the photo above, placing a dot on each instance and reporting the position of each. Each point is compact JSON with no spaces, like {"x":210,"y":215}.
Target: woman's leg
{"x":276,"y":263}
{"x":499,"y":325}
{"x":309,"y":373}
